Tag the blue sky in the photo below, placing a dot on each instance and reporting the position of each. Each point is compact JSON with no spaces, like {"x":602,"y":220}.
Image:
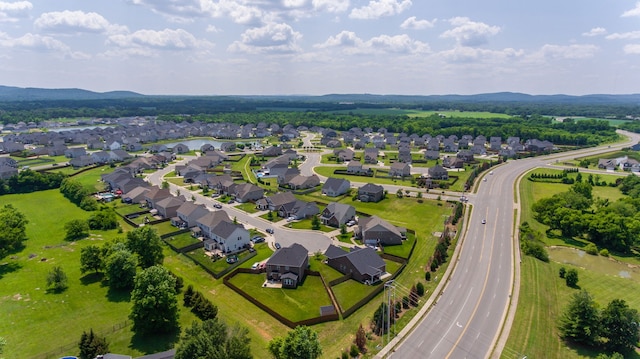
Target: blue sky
{"x":268,"y":47}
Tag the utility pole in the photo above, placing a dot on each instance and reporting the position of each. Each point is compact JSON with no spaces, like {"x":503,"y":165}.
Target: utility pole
{"x":389,"y":288}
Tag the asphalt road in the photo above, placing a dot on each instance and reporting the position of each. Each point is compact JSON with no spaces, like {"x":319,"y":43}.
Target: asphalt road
{"x":467,"y":318}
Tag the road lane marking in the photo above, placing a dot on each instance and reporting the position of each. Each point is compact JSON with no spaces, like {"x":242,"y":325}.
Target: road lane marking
{"x":475,"y":309}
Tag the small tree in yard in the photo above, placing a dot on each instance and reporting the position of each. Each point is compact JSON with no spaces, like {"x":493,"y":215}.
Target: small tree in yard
{"x":361,"y":339}
{"x":76,"y":229}
{"x":57,"y":279}
{"x":420,"y":289}
{"x":562,"y":272}
{"x":315,"y":223}
{"x":571,"y":277}
{"x":91,"y":259}
{"x":302,"y":342}
{"x":580,"y":320}
{"x":354,"y":352}
{"x":92,"y":345}
{"x":343,"y":229}
{"x":427,"y":276}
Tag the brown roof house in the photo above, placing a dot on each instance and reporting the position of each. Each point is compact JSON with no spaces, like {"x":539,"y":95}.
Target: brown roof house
{"x":156,"y":194}
{"x":188,"y":214}
{"x":363,"y":264}
{"x":288,"y":265}
{"x":245,"y":192}
{"x":376,"y":231}
{"x":370,"y":193}
{"x":168,"y":207}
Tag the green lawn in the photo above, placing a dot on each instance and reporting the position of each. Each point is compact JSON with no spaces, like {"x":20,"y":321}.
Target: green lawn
{"x":248,"y":207}
{"x":402,"y":250}
{"x":182,"y":240}
{"x":543,"y":295}
{"x":328,"y":172}
{"x":306,"y":224}
{"x":297,"y":304}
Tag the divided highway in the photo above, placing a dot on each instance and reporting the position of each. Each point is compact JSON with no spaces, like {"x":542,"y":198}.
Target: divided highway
{"x":467,"y":319}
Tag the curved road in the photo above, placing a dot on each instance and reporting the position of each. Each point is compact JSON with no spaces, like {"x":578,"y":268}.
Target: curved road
{"x":467,"y":318}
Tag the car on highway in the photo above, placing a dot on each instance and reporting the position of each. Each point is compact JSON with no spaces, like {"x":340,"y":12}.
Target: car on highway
{"x":491,"y":173}
{"x":484,"y":179}
{"x":484,"y":221}
{"x":277,"y":245}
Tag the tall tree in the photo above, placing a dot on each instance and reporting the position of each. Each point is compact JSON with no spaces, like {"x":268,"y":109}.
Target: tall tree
{"x":76,"y":229}
{"x":92,"y":345}
{"x":155,"y":301}
{"x":302,"y":342}
{"x":13,"y":226}
{"x":146,"y":244}
{"x":361,"y":339}
{"x":91,"y":259}
{"x":580,"y":321}
{"x":120,"y":267}
{"x":620,"y":326}
{"x":212,"y":339}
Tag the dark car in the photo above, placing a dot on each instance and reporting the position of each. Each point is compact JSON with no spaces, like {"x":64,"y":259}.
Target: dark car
{"x":278,"y":246}
{"x":217,"y":205}
{"x":270,"y":230}
{"x":257,"y":239}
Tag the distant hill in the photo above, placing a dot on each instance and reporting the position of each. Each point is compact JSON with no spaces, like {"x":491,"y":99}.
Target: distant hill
{"x":8,"y":93}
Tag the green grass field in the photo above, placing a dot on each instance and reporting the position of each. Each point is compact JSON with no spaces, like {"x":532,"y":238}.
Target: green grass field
{"x":543,"y":295}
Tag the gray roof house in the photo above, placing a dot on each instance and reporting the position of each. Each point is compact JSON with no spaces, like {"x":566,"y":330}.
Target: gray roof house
{"x":438,"y":172}
{"x":245,"y":192}
{"x":168,"y":207}
{"x":156,"y":194}
{"x":334,"y":187}
{"x":400,"y":169}
{"x":337,"y":214}
{"x":188,"y":214}
{"x":227,"y":237}
{"x":370,"y":193}
{"x":135,"y":195}
{"x":287,"y":265}
{"x":304,"y":182}
{"x":376,"y":231}
{"x":364,"y":264}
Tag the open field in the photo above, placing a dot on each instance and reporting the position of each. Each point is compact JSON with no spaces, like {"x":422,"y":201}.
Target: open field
{"x":418,"y":113}
{"x":543,"y":295}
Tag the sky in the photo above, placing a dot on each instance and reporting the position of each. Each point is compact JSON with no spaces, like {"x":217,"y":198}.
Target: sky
{"x":316,"y":47}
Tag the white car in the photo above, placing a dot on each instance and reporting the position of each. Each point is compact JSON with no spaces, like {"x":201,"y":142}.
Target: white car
{"x":484,"y":179}
{"x":255,"y":265}
{"x":491,"y":172}
{"x":484,"y":221}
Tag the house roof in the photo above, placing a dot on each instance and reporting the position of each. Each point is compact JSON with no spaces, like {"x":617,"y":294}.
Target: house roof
{"x":371,"y":188}
{"x":334,"y":184}
{"x":365,"y":260}
{"x":212,"y":218}
{"x":338,"y":210}
{"x":225,"y":229}
{"x":282,"y":198}
{"x":374,"y":221}
{"x":293,"y":256}
{"x":170,"y":202}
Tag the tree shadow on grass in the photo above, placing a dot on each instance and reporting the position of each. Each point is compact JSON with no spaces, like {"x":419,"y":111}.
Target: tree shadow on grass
{"x":9,"y":267}
{"x":585,"y":351}
{"x":91,"y":278}
{"x":119,"y":295}
{"x":154,"y":343}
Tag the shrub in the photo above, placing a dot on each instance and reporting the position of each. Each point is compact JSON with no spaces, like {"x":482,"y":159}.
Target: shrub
{"x":562,"y":271}
{"x":571,"y":277}
{"x":420,"y":289}
{"x":591,"y":249}
{"x":604,"y":252}
{"x":427,"y":276}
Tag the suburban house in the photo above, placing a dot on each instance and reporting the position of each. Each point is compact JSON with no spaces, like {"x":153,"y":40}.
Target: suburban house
{"x":370,"y":193}
{"x":272,"y":203}
{"x":376,"y":231}
{"x":272,"y":151}
{"x":288,"y":265}
{"x":355,"y":167}
{"x":607,"y":163}
{"x":156,"y":194}
{"x":168,"y":207}
{"x":363,"y":264}
{"x":400,"y":169}
{"x":337,"y":214}
{"x":371,"y":155}
{"x":245,"y":192}
{"x":136,"y":195}
{"x":188,"y":214}
{"x":438,"y":172}
{"x":221,"y":233}
{"x":344,"y":155}
{"x":535,"y":145}
{"x":334,"y":187}
{"x":452,"y":162}
{"x":303,"y":182}
{"x":431,"y":154}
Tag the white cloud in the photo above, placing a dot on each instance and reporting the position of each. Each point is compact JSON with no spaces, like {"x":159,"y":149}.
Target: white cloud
{"x":352,"y":44}
{"x":596,"y":31}
{"x":470,"y":33}
{"x":379,"y":8}
{"x":166,"y":39}
{"x":624,"y":36}
{"x":633,"y":12}
{"x":12,"y":11}
{"x":632,"y":49}
{"x":330,"y":5}
{"x":568,"y":52}
{"x":273,"y":38}
{"x":39,"y":43}
{"x":466,"y":54}
{"x":212,"y":28}
{"x":75,"y":21}
{"x":415,"y":24}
